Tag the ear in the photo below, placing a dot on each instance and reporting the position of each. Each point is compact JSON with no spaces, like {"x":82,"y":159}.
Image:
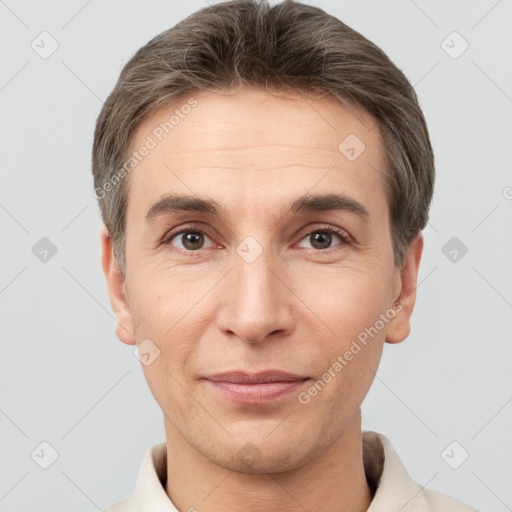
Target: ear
{"x":117,"y":290}
{"x":399,"y":327}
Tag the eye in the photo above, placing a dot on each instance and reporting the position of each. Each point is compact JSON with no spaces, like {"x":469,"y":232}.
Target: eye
{"x":322,"y":238}
{"x":193,"y":239}
{"x":190,"y":239}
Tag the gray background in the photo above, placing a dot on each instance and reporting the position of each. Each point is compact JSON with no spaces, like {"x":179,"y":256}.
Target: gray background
{"x":67,"y":380}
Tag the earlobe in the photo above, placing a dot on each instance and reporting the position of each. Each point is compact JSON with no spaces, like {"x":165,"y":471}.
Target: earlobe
{"x":117,"y":291}
{"x":399,"y":327}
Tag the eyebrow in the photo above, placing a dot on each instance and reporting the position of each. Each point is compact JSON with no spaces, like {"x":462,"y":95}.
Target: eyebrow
{"x":308,"y":203}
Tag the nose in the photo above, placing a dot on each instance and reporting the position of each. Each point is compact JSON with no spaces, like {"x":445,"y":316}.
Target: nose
{"x":257,"y":300}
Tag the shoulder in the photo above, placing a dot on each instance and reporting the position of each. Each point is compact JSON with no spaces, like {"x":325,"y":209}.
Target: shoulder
{"x":125,"y":505}
{"x":149,"y":493}
{"x":443,"y":503}
{"x":393,"y":487}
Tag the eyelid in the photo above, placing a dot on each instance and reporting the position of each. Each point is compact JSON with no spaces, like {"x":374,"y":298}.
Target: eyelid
{"x":170,"y":235}
{"x":342,"y":233}
{"x":345,"y":237}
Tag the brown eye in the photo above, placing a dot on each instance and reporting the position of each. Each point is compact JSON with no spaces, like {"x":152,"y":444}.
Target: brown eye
{"x":321,"y":239}
{"x":188,"y":240}
{"x":192,"y":240}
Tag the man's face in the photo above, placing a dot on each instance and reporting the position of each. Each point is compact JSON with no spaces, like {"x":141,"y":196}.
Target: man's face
{"x":258,"y":287}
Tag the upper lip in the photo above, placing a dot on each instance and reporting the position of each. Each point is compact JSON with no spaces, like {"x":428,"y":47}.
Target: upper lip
{"x":241,"y":377}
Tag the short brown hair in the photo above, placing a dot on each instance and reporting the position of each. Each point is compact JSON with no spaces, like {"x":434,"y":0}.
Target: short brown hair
{"x":290,"y":46}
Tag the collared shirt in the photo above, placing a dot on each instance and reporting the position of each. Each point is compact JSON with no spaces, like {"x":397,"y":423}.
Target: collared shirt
{"x":393,"y":488}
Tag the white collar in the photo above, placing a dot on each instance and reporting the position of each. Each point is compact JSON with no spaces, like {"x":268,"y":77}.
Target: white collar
{"x":395,"y":490}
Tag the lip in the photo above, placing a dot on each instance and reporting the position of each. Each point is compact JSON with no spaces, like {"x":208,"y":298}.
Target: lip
{"x":256,"y":388}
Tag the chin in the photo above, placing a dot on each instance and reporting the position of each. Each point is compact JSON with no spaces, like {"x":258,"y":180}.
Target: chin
{"x":263,"y":463}
{"x":262,"y":456}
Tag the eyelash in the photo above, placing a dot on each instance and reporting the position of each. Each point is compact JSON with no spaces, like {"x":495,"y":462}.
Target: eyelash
{"x":345,"y":238}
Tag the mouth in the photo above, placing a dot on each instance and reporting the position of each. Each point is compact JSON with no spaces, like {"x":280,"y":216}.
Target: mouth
{"x":256,"y":388}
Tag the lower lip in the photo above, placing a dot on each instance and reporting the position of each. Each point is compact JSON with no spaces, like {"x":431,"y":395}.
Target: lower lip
{"x":257,"y":393}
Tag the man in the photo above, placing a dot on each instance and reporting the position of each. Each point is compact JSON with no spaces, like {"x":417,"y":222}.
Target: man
{"x":264,"y":174}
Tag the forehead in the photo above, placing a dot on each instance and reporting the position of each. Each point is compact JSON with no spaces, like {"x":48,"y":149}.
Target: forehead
{"x":248,"y":141}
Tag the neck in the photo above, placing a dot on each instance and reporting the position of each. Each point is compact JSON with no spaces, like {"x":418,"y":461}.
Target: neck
{"x":333,"y":481}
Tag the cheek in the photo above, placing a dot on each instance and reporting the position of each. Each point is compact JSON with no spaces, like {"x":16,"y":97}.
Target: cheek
{"x":346,"y":300}
{"x":341,"y":386}
{"x":166,"y":308}
{"x":156,"y":307}
{"x":161,"y":299}
{"x":349,"y":305}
